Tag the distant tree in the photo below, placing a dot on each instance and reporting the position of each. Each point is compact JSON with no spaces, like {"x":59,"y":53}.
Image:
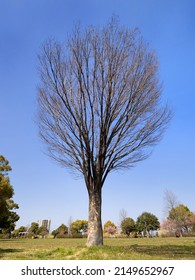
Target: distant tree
{"x":122,"y":215}
{"x":169,"y":225}
{"x":54,"y":233}
{"x":79,"y":226}
{"x":60,"y":231}
{"x":42,"y":231}
{"x":100,"y":106}
{"x":147,"y":222}
{"x":128,"y":226}
{"x":107,"y":224}
{"x":192,"y":222}
{"x":182,"y":216}
{"x":170,"y":200}
{"x":34,"y":228}
{"x":17,"y":232}
{"x":111,"y":230}
{"x":22,"y":229}
{"x":8,"y":217}
{"x":110,"y":227}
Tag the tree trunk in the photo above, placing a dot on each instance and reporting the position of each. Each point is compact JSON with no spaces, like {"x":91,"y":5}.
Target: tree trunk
{"x":95,"y":232}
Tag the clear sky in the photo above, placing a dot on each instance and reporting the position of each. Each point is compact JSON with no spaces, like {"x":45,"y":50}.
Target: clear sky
{"x":42,"y":188}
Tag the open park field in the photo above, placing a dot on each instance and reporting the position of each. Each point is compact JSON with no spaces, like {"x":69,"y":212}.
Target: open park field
{"x":113,"y":249}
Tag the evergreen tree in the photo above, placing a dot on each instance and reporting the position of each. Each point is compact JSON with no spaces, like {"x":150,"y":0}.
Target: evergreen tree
{"x":7,"y":216}
{"x":128,"y":226}
{"x":147,"y":222}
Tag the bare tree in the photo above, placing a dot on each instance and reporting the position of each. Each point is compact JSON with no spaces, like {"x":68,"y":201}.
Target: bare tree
{"x":122,"y":215}
{"x":99,"y":106}
{"x":170,"y":201}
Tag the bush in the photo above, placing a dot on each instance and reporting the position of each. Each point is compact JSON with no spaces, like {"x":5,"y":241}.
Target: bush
{"x":167,"y":234}
{"x":61,"y":235}
{"x":188,"y":234}
{"x":76,"y":235}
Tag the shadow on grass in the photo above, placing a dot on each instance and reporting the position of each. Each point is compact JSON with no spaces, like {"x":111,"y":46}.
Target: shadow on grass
{"x":164,"y":251}
{"x":10,"y":240}
{"x":7,"y":251}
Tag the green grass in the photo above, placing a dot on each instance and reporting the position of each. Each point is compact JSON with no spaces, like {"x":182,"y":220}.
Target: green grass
{"x":113,"y":249}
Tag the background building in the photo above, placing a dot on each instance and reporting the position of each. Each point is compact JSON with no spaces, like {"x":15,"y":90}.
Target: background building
{"x":45,"y":223}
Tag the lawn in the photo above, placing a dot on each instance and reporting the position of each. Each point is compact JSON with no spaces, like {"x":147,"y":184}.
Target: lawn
{"x":113,"y":249}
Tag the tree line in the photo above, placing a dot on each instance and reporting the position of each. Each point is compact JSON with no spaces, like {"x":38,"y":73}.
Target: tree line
{"x":180,"y":220}
{"x":145,"y":225}
{"x":77,"y":228}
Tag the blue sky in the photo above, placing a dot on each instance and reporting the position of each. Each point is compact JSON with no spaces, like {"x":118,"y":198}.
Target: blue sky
{"x":42,"y":188}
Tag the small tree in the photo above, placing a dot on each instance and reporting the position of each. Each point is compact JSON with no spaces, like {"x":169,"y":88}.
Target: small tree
{"x":128,"y":226}
{"x":170,"y":200}
{"x":20,"y":232}
{"x":100,"y":106}
{"x":182,"y":216}
{"x":34,"y":229}
{"x":79,"y":226}
{"x":43,"y":231}
{"x":110,"y":228}
{"x":169,"y":226}
{"x":122,"y":215}
{"x":61,"y":231}
{"x":147,"y":222}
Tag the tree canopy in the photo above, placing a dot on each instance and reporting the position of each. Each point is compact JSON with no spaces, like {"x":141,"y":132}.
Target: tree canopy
{"x":60,"y":231}
{"x":128,"y":226}
{"x":182,"y":217}
{"x":146,"y":222}
{"x":79,"y":226}
{"x":109,"y":227}
{"x":8,"y":217}
{"x":34,"y":228}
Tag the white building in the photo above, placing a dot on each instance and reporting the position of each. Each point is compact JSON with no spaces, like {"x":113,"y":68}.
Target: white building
{"x":45,"y":223}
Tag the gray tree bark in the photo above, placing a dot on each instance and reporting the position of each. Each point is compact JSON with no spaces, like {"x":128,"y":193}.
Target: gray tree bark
{"x":95,"y":232}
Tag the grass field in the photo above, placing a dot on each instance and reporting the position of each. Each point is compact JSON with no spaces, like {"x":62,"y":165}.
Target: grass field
{"x":113,"y":249}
